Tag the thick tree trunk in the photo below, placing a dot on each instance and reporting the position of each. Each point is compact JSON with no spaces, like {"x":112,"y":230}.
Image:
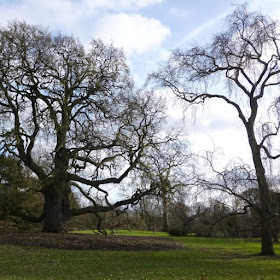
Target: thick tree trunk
{"x":56,"y":209}
{"x":57,"y":190}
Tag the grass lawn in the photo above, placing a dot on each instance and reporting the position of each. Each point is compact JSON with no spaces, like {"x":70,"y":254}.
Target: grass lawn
{"x":203,"y":258}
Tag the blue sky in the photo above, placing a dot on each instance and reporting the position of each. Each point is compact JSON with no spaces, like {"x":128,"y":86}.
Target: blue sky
{"x":147,"y":30}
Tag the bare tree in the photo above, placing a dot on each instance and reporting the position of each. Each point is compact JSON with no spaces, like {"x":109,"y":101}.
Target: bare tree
{"x":169,"y":167}
{"x":73,"y":118}
{"x":246,"y":56}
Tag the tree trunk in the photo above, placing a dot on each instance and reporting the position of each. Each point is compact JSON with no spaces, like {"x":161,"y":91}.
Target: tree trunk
{"x":266,"y":237}
{"x":165,"y":223}
{"x":265,"y":207}
{"x":276,"y":219}
{"x":165,"y":186}
{"x":56,"y":209}
{"x":57,"y":190}
{"x":266,"y":227}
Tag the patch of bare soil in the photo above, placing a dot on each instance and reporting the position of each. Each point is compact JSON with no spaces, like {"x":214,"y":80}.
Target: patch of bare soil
{"x":71,"y":241}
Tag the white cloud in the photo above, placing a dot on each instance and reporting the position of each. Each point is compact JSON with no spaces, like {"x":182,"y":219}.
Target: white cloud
{"x":65,"y":15}
{"x":218,"y":127}
{"x":87,"y":18}
{"x":214,"y":126}
{"x":134,"y":33}
{"x":112,"y":21}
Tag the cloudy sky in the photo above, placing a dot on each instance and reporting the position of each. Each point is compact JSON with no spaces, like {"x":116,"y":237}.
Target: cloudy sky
{"x":147,"y":30}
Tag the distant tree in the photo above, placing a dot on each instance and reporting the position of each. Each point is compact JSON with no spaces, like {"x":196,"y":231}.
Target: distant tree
{"x":246,"y":56}
{"x":151,"y":212}
{"x":168,"y":167}
{"x":73,"y":118}
{"x":216,"y":219}
{"x":181,"y":216}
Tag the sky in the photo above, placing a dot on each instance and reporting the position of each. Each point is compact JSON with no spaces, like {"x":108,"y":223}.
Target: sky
{"x":147,"y":30}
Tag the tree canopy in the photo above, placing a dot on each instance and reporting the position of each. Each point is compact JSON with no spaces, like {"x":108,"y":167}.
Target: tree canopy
{"x":72,"y":116}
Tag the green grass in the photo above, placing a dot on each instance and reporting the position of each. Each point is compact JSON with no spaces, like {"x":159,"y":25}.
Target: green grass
{"x":203,"y":258}
{"x":129,"y":232}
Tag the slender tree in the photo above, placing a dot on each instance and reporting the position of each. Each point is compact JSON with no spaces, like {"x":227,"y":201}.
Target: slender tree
{"x":169,"y":168}
{"x":246,"y":56}
{"x":73,"y":118}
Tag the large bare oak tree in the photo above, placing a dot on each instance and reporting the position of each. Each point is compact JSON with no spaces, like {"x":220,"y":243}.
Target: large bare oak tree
{"x":72,"y":116}
{"x":246,"y":57}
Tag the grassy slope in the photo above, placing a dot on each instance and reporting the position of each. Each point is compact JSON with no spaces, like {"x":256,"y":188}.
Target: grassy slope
{"x":203,"y":258}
